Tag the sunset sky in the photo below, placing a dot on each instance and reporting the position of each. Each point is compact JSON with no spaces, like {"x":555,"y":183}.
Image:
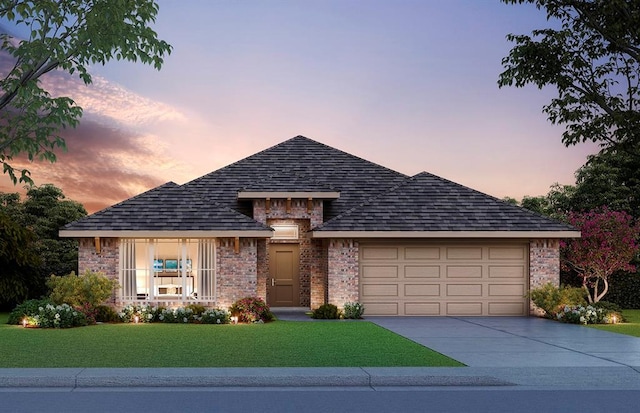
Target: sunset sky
{"x":411,"y":85}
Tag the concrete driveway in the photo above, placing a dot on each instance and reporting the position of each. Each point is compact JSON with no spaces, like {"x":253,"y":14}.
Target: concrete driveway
{"x":517,"y":341}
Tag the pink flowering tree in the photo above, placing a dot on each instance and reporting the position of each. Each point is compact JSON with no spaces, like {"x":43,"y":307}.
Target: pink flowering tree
{"x":609,"y":242}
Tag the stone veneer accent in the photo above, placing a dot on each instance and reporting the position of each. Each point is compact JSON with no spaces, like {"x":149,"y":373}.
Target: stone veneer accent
{"x":237,"y":272}
{"x":342,"y":260}
{"x":310,"y":255}
{"x":106,"y":262}
{"x":544,"y":265}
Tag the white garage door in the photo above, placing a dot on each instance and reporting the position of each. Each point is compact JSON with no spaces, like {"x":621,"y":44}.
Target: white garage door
{"x":451,"y":279}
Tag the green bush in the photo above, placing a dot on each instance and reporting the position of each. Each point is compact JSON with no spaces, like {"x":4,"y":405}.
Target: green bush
{"x":106,"y":314}
{"x":145,"y":313}
{"x":552,"y":299}
{"x":28,"y":308}
{"x":251,"y":310}
{"x":590,"y":314}
{"x":90,"y":289}
{"x":326,"y":312}
{"x":353,"y":310}
{"x":215,"y":316}
{"x":57,"y":316}
{"x":197,"y":309}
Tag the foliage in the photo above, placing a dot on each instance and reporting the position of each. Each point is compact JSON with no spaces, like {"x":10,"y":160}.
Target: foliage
{"x":579,"y":314}
{"x":144,"y":313}
{"x":624,"y":289}
{"x":27,"y":308}
{"x":106,"y":314}
{"x":353,"y":310}
{"x":611,"y":178}
{"x":215,"y":316}
{"x":19,"y":277}
{"x":32,"y":249}
{"x":90,"y":289}
{"x":69,"y":36}
{"x":327,"y":312}
{"x":251,"y":310}
{"x":177,"y":315}
{"x":57,"y":316}
{"x":608,"y":244}
{"x":551,"y":298}
{"x":592,"y":60}
{"x":197,"y":309}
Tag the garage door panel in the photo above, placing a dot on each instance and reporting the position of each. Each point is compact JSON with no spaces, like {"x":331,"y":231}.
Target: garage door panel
{"x":469,"y":290}
{"x":422,"y":253}
{"x":514,"y":290}
{"x":507,"y":271}
{"x":422,"y":308}
{"x":467,"y":271}
{"x":380,"y":271}
{"x":380,"y":290}
{"x":506,"y":309}
{"x":507,"y":253}
{"x":425,"y":290}
{"x":455,"y":279}
{"x":422,"y":271}
{"x":464,"y":253}
{"x":381,"y":308}
{"x":380,"y":253}
{"x":463,"y":308}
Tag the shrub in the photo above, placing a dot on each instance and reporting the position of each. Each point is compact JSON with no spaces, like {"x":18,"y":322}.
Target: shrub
{"x":106,"y":314}
{"x":251,"y":310}
{"x":145,"y":313}
{"x":28,"y":308}
{"x":353,"y":310}
{"x":552,"y":299}
{"x":177,"y":315}
{"x":197,"y":309}
{"x":88,"y":290}
{"x":578,"y":314}
{"x":326,"y":311}
{"x":215,"y":316}
{"x":57,"y":316}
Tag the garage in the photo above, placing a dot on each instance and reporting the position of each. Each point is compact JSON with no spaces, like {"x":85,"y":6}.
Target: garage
{"x":444,"y":279}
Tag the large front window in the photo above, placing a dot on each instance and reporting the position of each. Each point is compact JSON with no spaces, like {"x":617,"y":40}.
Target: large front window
{"x":168,"y":270}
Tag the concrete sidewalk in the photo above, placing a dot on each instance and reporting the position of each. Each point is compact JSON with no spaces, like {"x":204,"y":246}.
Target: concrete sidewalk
{"x":501,"y":351}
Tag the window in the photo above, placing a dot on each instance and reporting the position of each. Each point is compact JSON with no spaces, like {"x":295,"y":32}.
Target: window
{"x":167,"y":269}
{"x":285,"y":231}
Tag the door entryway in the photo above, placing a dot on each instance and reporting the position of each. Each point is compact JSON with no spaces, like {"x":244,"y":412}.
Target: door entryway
{"x":283,"y":285}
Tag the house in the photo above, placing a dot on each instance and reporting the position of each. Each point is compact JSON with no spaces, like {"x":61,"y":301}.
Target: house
{"x":302,"y":224}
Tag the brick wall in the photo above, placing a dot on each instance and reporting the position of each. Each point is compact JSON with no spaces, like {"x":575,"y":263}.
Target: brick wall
{"x":343,"y":270}
{"x":318,"y":273}
{"x":106,"y":262}
{"x":544,"y":265}
{"x":237,"y":272}
{"x":305,"y":218}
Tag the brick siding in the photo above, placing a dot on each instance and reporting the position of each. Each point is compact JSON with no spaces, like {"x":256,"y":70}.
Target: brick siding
{"x":544,"y":265}
{"x":342,"y":261}
{"x":106,"y":262}
{"x":237,"y":272}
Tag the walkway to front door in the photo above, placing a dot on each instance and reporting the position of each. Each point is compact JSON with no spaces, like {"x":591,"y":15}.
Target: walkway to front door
{"x":284,"y":275}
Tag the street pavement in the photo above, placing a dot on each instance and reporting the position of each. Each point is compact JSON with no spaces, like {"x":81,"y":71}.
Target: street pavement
{"x":502,"y":352}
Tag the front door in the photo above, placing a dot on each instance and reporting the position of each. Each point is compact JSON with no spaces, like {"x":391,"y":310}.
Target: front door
{"x":284,"y":275}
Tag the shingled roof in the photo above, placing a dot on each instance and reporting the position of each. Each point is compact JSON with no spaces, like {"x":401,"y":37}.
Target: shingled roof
{"x":366,"y":200}
{"x":427,"y":204}
{"x":165,"y":209}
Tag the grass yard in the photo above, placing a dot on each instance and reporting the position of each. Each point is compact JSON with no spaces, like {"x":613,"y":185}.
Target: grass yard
{"x":276,"y":344}
{"x":630,"y":328}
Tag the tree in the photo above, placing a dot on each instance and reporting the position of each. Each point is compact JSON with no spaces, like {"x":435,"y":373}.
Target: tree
{"x":610,"y":178}
{"x":66,"y":35}
{"x":593,"y":60}
{"x":19,"y":278}
{"x":41,"y":215}
{"x":609,"y":242}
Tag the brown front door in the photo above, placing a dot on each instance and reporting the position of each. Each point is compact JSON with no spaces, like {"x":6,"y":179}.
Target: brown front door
{"x":284,"y":275}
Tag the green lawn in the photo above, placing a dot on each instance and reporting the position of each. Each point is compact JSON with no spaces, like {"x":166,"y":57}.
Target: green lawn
{"x":630,"y":328}
{"x":276,"y":344}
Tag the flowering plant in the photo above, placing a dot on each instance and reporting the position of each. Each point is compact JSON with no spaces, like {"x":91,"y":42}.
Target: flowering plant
{"x":215,"y":316}
{"x":251,"y":310}
{"x":585,"y":315}
{"x":353,"y":310}
{"x":145,"y":313}
{"x":57,"y":316}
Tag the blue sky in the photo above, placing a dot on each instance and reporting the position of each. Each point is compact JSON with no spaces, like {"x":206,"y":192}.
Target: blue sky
{"x":411,"y":85}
